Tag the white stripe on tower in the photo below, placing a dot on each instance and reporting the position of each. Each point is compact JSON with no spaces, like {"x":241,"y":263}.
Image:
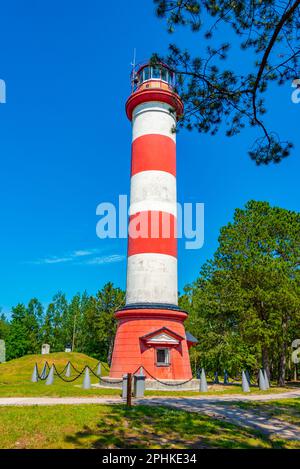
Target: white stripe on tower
{"x":153,"y":190}
{"x":151,"y":278}
{"x":153,"y":118}
{"x":152,"y":262}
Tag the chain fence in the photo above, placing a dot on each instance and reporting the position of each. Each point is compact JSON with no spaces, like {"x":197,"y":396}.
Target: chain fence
{"x":60,"y":374}
{"x":215,"y":378}
{"x":162,"y":382}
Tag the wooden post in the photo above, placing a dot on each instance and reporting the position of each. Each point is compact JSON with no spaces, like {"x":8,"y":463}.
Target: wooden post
{"x":129,"y":389}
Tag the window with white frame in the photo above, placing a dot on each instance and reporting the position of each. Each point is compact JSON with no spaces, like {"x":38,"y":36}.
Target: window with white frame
{"x":162,"y":357}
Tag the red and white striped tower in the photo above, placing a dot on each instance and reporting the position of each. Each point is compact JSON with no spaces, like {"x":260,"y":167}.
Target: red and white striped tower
{"x":150,"y":328}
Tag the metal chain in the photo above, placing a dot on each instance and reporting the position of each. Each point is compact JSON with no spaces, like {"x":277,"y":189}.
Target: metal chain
{"x":101,"y":379}
{"x":67,"y":380}
{"x":46,"y":365}
{"x":166,"y":384}
{"x":234,"y":379}
{"x":74,"y":368}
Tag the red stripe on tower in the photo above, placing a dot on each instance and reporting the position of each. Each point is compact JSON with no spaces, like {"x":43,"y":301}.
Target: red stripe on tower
{"x":153,"y":152}
{"x":152,"y":232}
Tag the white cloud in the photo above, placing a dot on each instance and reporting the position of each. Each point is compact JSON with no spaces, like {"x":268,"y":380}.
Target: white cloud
{"x":82,"y":253}
{"x":53,"y":260}
{"x":106,"y":259}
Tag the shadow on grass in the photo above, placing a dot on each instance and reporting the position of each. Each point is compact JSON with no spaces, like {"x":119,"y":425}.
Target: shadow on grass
{"x":160,"y":427}
{"x":286,"y":410}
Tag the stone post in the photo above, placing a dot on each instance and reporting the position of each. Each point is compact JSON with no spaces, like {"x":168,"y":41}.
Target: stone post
{"x":139,"y":384}
{"x":86,"y":380}
{"x":203,"y":382}
{"x":2,"y":351}
{"x":68,"y":370}
{"x":261,"y":381}
{"x":245,"y":383}
{"x":35,"y":374}
{"x":124,"y":387}
{"x":50,"y":378}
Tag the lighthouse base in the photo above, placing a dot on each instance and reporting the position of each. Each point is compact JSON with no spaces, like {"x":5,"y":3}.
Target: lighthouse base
{"x":154,"y":339}
{"x":153,"y":385}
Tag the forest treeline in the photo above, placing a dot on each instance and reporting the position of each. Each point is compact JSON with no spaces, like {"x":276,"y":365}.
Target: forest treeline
{"x":244,"y":307}
{"x":85,"y":323}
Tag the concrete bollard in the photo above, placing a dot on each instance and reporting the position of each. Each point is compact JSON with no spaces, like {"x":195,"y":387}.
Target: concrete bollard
{"x":203,"y":382}
{"x":139,"y":384}
{"x":50,"y":378}
{"x":245,"y":383}
{"x":124,"y":387}
{"x":68,"y":370}
{"x":86,"y":380}
{"x":266,"y":379}
{"x":98,"y":370}
{"x":35,"y":374}
{"x":261,"y":381}
{"x":44,"y":371}
{"x":248,"y":376}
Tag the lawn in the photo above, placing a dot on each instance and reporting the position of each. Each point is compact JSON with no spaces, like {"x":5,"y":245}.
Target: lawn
{"x":94,"y":426}
{"x":218,"y":390}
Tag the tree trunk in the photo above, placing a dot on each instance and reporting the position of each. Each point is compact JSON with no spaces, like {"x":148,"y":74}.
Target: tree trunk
{"x":110,"y":350}
{"x":282,"y":366}
{"x":266,"y":361}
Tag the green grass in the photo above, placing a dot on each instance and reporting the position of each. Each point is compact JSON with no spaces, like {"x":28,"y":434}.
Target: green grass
{"x":287,"y":410}
{"x":15,"y":377}
{"x":94,"y":426}
{"x":218,"y":391}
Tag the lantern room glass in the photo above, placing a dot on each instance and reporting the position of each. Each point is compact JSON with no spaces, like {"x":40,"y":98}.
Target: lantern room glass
{"x":155,"y":73}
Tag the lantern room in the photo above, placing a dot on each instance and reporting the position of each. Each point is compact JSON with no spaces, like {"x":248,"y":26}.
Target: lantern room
{"x":153,"y":76}
{"x":153,"y":83}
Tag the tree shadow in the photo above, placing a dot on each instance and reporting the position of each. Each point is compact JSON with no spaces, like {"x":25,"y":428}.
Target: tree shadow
{"x":161,"y":427}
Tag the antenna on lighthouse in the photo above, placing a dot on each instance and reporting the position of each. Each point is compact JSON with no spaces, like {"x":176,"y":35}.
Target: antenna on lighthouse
{"x":134,"y":59}
{"x":133,"y":73}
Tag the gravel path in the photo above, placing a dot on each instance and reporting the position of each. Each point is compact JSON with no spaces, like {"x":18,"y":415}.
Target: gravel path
{"x":27,"y":401}
{"x":24,"y":401}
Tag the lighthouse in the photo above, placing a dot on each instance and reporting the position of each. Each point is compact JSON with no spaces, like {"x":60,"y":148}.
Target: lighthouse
{"x":150,"y":328}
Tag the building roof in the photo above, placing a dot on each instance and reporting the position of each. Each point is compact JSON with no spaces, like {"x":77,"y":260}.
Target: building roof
{"x":162,"y":335}
{"x":190,"y":337}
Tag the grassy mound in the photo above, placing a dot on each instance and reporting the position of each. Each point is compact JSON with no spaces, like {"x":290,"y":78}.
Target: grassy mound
{"x":15,"y":375}
{"x":21,"y":368}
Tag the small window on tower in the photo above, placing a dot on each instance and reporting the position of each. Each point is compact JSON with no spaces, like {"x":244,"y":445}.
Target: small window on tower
{"x":155,"y":72}
{"x":146,"y":73}
{"x":162,"y":357}
{"x":164,"y":74}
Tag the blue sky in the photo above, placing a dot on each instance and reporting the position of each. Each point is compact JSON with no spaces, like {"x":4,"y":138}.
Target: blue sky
{"x":65,"y":146}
